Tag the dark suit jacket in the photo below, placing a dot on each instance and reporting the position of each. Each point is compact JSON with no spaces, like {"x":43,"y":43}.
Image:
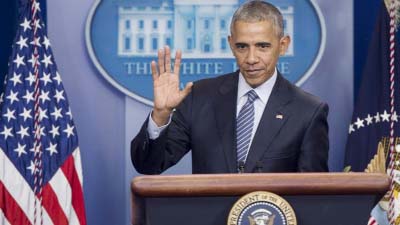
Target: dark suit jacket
{"x":205,"y":123}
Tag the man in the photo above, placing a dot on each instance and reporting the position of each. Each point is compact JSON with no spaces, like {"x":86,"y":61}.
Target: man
{"x":252,"y":120}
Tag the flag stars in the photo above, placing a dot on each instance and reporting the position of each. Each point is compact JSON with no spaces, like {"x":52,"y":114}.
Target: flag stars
{"x":34,"y":60}
{"x":26,"y":114}
{"x":56,"y":113}
{"x":377,"y":117}
{"x":385,"y":116}
{"x":9,"y":115}
{"x":46,"y":78}
{"x":36,"y":41}
{"x":369,"y":119}
{"x":44,"y":96}
{"x":42,"y":114}
{"x":31,"y":78}
{"x":35,"y":150}
{"x":16,"y":79}
{"x":13,"y":96}
{"x":23,"y":131}
{"x":41,"y":131}
{"x":36,"y":5}
{"x":57,"y":78}
{"x":47,"y":60}
{"x":32,"y":167}
{"x":20,"y":150}
{"x":351,"y":129}
{"x":359,"y":123}
{"x":59,"y":95}
{"x":54,"y":131}
{"x":394,"y":117}
{"x":69,"y":130}
{"x":69,"y":113}
{"x":52,"y":149}
{"x":22,"y":42}
{"x":46,"y":42}
{"x":7,"y":132}
{"x":36,"y":23}
{"x":26,"y":24}
{"x":28,"y":96}
{"x":19,"y":60}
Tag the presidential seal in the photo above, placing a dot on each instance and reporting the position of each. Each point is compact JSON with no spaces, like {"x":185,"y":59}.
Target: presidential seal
{"x":261,"y":208}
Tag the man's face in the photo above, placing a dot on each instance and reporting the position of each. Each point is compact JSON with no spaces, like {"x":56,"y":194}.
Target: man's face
{"x":256,"y":47}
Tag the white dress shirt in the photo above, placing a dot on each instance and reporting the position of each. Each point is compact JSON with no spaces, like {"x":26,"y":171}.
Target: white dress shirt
{"x":263,"y":91}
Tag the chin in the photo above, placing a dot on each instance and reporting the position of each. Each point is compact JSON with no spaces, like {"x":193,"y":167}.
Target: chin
{"x":254,"y":83}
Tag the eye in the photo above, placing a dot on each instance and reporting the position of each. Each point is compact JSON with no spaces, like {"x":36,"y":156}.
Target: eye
{"x":240,"y":46}
{"x":263,"y":45}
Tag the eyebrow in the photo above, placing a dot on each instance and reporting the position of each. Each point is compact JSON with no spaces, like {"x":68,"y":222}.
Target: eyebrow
{"x":257,"y":44}
{"x":263,"y":43}
{"x":241,"y":44}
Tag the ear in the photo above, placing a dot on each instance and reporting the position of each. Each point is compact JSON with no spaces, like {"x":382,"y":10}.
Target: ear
{"x":284,"y":44}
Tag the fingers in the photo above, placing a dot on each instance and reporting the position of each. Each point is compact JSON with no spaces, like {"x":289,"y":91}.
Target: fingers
{"x":167,"y":59}
{"x":177,"y":64}
{"x":154,"y":70}
{"x":161,"y":65}
{"x":164,"y":62}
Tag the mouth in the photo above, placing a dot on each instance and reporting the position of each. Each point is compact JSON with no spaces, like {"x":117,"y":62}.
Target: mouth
{"x":253,"y":71}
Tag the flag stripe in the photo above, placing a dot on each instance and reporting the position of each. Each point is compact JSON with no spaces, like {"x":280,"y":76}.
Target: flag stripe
{"x":77,"y":194}
{"x":51,"y":203}
{"x":60,"y":186}
{"x":19,"y":189}
{"x":12,"y":212}
{"x":16,"y":185}
{"x":372,"y":221}
{"x":3,"y":219}
{"x":78,"y":164}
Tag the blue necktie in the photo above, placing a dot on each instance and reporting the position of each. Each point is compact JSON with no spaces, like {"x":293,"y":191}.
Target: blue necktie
{"x":244,"y":126}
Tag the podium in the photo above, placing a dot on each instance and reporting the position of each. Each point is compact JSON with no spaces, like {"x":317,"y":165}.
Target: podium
{"x":317,"y":198}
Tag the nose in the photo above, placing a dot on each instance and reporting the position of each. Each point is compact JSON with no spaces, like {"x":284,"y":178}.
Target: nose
{"x":252,"y":56}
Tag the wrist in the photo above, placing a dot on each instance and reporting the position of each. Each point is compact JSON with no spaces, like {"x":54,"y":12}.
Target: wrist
{"x":161,"y":117}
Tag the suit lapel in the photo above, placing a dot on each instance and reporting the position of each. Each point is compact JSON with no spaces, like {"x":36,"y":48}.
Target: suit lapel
{"x":225,"y":111}
{"x":273,"y":118}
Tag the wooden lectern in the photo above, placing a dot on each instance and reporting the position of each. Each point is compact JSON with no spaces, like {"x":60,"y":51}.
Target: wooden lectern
{"x":317,"y":198}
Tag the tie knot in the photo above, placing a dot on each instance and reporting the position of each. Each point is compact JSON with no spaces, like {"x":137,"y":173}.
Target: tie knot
{"x":251,"y":96}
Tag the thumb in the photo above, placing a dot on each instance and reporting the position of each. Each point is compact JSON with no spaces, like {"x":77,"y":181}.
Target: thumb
{"x":187,"y":89}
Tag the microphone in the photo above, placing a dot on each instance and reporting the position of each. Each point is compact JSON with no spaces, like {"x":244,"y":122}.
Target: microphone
{"x":240,"y":167}
{"x":259,"y":167}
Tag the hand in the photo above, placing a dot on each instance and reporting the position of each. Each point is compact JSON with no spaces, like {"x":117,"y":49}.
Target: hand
{"x":167,"y":94}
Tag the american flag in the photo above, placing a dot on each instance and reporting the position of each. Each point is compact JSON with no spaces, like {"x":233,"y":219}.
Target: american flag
{"x":40,"y":165}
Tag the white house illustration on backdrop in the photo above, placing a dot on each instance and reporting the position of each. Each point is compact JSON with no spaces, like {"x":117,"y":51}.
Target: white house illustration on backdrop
{"x":199,"y":28}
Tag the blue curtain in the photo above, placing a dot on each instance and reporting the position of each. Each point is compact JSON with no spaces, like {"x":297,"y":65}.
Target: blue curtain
{"x":9,"y":12}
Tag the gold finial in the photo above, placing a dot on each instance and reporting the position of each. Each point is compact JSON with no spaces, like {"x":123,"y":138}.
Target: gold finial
{"x":396,"y":10}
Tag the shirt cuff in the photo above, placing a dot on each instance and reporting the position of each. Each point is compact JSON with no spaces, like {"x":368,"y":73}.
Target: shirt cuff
{"x":154,"y":130}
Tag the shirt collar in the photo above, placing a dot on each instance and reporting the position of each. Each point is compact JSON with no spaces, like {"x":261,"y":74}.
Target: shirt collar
{"x":263,"y":91}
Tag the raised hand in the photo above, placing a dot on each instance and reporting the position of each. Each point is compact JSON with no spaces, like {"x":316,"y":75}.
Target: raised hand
{"x":167,"y":94}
